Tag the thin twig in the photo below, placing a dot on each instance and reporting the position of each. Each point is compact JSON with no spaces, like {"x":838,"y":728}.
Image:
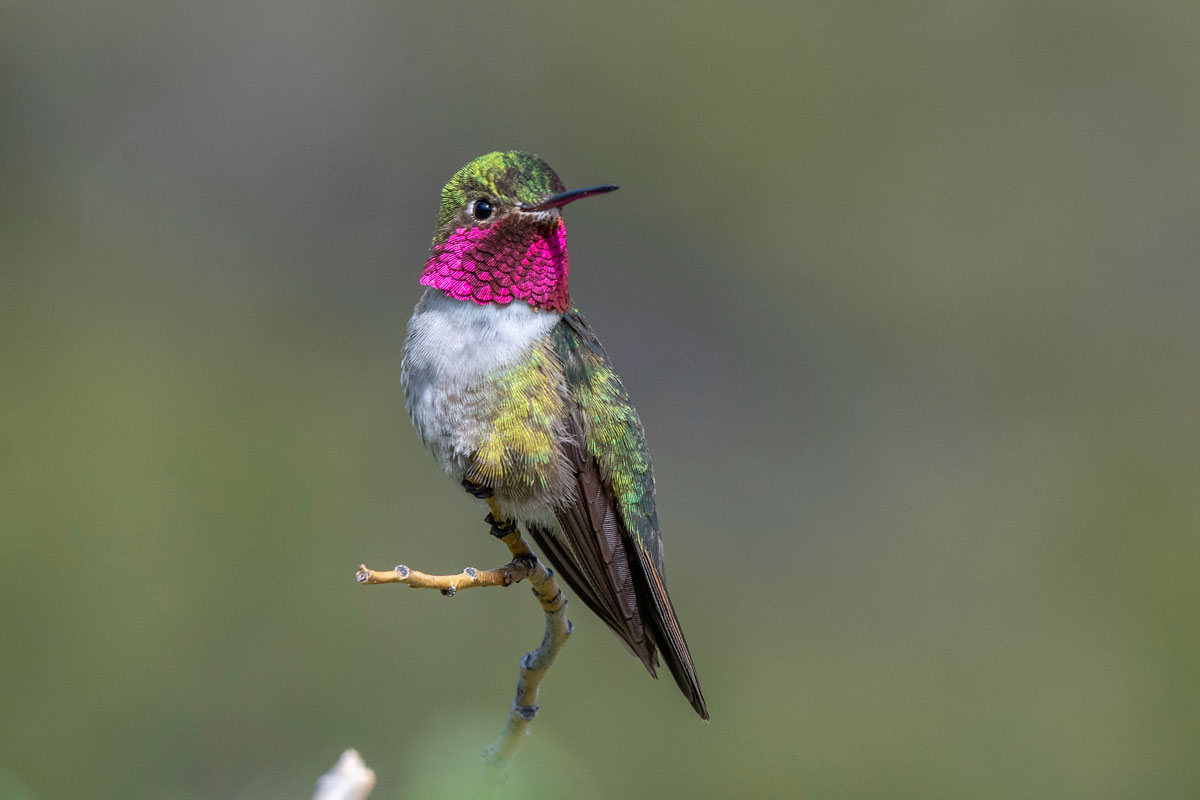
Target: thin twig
{"x":524,"y":566}
{"x":533,"y":668}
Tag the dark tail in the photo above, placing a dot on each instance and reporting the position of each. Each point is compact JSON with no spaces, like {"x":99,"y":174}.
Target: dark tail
{"x":659,"y":616}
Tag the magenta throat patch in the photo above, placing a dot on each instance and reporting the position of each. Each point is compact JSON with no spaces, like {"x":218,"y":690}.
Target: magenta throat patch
{"x":503,"y":262}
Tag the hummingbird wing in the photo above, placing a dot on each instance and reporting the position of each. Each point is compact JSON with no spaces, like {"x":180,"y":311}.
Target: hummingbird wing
{"x":612,"y":555}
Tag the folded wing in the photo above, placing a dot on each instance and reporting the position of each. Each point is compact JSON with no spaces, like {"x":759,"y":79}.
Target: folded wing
{"x":610,"y":552}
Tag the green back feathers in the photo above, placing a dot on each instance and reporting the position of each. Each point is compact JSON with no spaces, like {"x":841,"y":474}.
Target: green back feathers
{"x":510,"y":176}
{"x":612,"y":432}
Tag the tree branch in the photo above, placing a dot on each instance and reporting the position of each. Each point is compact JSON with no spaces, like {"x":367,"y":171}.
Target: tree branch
{"x":524,"y":566}
{"x":534,"y":665}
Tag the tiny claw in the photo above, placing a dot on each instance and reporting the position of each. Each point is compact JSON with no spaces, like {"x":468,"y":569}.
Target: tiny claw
{"x":477,"y":490}
{"x":402,"y":571}
{"x":500,"y":528}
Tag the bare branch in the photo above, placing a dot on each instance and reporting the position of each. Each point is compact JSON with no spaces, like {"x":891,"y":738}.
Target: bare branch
{"x":533,"y":668}
{"x":524,"y":566}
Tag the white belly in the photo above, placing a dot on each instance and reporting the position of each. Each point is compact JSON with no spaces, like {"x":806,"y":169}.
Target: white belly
{"x":452,"y":349}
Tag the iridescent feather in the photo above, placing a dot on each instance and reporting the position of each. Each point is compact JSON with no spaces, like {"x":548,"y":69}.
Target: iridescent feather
{"x":510,"y":389}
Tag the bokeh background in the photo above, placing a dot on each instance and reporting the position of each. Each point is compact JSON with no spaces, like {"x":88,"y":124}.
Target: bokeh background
{"x":906,"y":294}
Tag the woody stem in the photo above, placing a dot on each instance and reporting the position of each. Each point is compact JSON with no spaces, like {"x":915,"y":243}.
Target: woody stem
{"x":534,"y":664}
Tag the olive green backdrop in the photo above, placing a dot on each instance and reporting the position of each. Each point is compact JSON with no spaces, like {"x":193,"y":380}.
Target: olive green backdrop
{"x":906,"y":294}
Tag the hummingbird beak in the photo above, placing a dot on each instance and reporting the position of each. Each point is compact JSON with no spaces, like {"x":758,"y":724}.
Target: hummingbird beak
{"x":562,"y":198}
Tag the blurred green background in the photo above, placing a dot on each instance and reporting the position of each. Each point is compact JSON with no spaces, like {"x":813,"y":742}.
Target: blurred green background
{"x":906,"y":295}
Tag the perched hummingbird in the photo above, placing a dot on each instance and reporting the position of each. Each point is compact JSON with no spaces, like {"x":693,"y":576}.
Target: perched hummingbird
{"x":513,"y":394}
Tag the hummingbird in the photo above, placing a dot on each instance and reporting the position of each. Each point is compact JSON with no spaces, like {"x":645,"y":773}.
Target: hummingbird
{"x":512,"y":393}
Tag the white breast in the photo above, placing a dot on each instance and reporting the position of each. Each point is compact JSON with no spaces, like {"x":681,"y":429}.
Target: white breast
{"x":452,"y":348}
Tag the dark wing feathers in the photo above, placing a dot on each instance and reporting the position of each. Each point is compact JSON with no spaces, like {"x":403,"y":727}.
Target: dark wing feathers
{"x":610,"y":553}
{"x":564,"y":562}
{"x":597,"y":569}
{"x":594,"y":534}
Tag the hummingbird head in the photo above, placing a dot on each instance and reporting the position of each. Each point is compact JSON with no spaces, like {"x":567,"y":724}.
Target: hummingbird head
{"x":500,"y":235}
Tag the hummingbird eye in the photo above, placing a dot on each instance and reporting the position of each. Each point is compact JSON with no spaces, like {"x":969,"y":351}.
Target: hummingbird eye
{"x":482,"y":209}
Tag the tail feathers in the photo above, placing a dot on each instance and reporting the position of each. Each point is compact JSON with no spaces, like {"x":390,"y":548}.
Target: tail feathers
{"x":656,"y":615}
{"x":660,"y":615}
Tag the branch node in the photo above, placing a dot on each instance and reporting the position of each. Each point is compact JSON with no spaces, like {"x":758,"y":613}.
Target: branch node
{"x":402,"y":571}
{"x":526,"y":713}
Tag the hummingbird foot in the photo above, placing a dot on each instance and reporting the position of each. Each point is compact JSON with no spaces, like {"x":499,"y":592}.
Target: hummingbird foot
{"x":500,"y":527}
{"x":477,"y":489}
